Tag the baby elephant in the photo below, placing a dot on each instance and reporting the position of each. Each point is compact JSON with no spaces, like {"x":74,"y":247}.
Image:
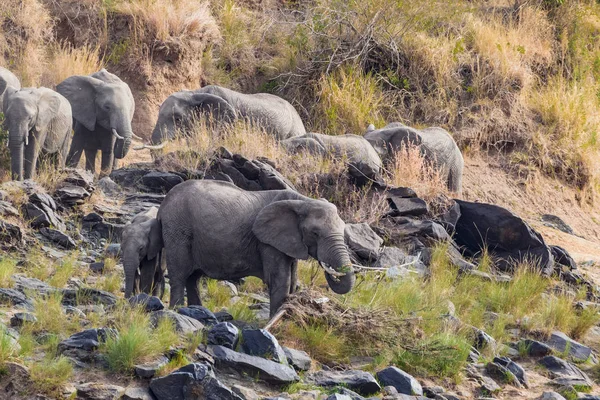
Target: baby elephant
{"x":143,"y":259}
{"x":363,"y":161}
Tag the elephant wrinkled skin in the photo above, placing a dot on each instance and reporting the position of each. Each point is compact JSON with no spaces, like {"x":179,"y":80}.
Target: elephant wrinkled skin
{"x":436,"y":145}
{"x":39,"y":121}
{"x":103,"y":108}
{"x":214,"y":229}
{"x":143,"y":260}
{"x":8,"y":83}
{"x":178,"y":112}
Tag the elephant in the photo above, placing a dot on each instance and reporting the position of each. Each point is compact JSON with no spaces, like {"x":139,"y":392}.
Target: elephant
{"x":178,"y":112}
{"x":435,"y":143}
{"x":364,"y":163}
{"x":103,"y":108}
{"x":142,"y":255}
{"x":8,"y":83}
{"x":39,"y":121}
{"x":215,"y":229}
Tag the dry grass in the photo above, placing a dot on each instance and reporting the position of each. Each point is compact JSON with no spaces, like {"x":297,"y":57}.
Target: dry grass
{"x":64,"y":61}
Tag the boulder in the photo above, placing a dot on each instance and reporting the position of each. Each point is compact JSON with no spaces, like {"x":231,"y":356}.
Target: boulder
{"x":150,"y":303}
{"x":223,"y":334}
{"x":87,"y":295}
{"x":223,"y":316}
{"x":148,"y":370}
{"x":21,"y":318}
{"x":562,"y":257}
{"x":179,"y":384}
{"x":259,"y":342}
{"x":407,"y":206}
{"x":99,"y":391}
{"x":71,"y":195}
{"x":137,"y":393}
{"x":7,"y":209}
{"x":97,"y":267}
{"x":10,"y":234}
{"x":258,"y":367}
{"x":565,"y":373}
{"x":514,"y":368}
{"x":161,"y":182}
{"x":560,"y":342}
{"x":182,"y":323}
{"x":556,"y":222}
{"x":404,"y":383}
{"x":61,"y":239}
{"x":298,"y":359}
{"x":199,"y":313}
{"x":363,"y":241}
{"x":508,"y":238}
{"x":16,"y":298}
{"x":502,"y":374}
{"x":359,"y":381}
{"x":403,"y":264}
{"x":551,"y":396}
{"x":39,"y":217}
{"x":81,"y":178}
{"x":113,"y":250}
{"x":108,"y":187}
{"x":535,"y":348}
{"x":483,"y":340}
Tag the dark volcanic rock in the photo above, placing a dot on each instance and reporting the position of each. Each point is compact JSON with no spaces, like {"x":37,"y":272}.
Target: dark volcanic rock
{"x":161,"y":182}
{"x":128,"y":177}
{"x":81,"y":345}
{"x":502,"y":374}
{"x":261,"y":368}
{"x":97,"y":267}
{"x":150,"y":303}
{"x":359,"y":381}
{"x":562,"y":257}
{"x":508,"y":238}
{"x":513,"y":367}
{"x":71,"y":195}
{"x":407,"y":206}
{"x":59,"y":238}
{"x":403,"y":382}
{"x":556,"y":222}
{"x":10,"y":233}
{"x":560,"y":342}
{"x":258,"y":342}
{"x":182,"y":323}
{"x":148,"y":370}
{"x":298,"y":359}
{"x":224,"y":334}
{"x":363,"y":241}
{"x":535,"y":348}
{"x":16,"y":298}
{"x":565,"y":373}
{"x":20,"y":318}
{"x":99,"y":391}
{"x":199,"y":313}
{"x":86,"y":295}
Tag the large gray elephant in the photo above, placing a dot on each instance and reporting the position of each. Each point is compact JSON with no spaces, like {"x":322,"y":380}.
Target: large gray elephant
{"x":39,"y":121}
{"x":436,"y":145}
{"x":215,"y":229}
{"x":178,"y":112}
{"x":363,"y":161}
{"x":103,"y":108}
{"x":141,"y":248}
{"x":8,"y":83}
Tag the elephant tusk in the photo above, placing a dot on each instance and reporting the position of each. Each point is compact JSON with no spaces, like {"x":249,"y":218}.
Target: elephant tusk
{"x":136,"y":137}
{"x":151,"y":147}
{"x":332,"y":271}
{"x":27,"y":139}
{"x":115,"y":134}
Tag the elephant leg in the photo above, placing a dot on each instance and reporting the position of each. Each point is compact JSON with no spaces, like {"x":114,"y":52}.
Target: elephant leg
{"x":115,"y":163}
{"x":75,"y":151}
{"x":294,"y":277}
{"x":147,"y":269}
{"x":180,"y":264}
{"x":277,"y":269}
{"x":107,"y":163}
{"x":159,"y":276}
{"x":90,"y":160}
{"x":136,"y":283}
{"x":30,"y":156}
{"x":192,"y":289}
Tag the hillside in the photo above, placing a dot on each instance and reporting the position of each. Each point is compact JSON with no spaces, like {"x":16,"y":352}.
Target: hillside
{"x":517,"y":85}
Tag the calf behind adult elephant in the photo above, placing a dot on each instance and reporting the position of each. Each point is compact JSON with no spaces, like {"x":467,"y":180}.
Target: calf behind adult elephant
{"x":436,"y":145}
{"x":178,"y":112}
{"x":103,"y":108}
{"x":363,"y":161}
{"x":39,"y":121}
{"x":214,"y":229}
{"x":8,"y":84}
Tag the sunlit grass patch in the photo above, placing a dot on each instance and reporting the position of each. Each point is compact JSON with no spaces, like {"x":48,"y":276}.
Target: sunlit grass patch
{"x":51,"y":374}
{"x":7,"y":269}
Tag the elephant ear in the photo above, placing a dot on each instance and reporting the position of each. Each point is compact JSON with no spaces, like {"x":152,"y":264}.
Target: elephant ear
{"x":214,"y":105}
{"x":3,"y":86}
{"x":278,"y":225}
{"x":48,"y":106}
{"x":81,"y":93}
{"x":155,"y":242}
{"x":406,"y":135}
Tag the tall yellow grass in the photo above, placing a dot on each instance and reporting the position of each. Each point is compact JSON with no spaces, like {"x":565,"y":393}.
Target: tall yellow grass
{"x":64,"y":61}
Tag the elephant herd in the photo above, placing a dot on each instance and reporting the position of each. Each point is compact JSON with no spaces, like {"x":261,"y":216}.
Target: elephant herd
{"x":209,"y":228}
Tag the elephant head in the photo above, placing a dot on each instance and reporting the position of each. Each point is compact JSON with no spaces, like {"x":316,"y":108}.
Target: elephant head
{"x":102,"y":100}
{"x":140,"y":241}
{"x":25,"y":111}
{"x":302,"y":228}
{"x":179,"y":111}
{"x":392,"y":137}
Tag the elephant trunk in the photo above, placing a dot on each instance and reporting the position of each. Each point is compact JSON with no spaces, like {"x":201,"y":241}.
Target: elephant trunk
{"x":121,"y":129}
{"x":130,"y":265}
{"x":16,"y":143}
{"x":160,"y":133}
{"x":334,"y":253}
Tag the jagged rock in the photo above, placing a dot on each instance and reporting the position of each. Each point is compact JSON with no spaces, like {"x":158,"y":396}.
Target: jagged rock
{"x":224,"y":334}
{"x":298,"y":359}
{"x":351,"y":394}
{"x":258,"y":342}
{"x":10,"y":234}
{"x":99,"y":391}
{"x":535,"y":348}
{"x":560,"y":342}
{"x":562,"y":257}
{"x":407,"y":206}
{"x":81,"y":178}
{"x":69,"y":310}
{"x":137,"y":393}
{"x":199,"y":313}
{"x":402,"y":192}
{"x":7,"y":209}
{"x":417,"y":228}
{"x":508,"y":238}
{"x":488,"y":385}
{"x":483,"y":340}
{"x":551,"y":396}
{"x":73,"y":297}
{"x":71,"y":195}
{"x":337,"y":396}
{"x":502,"y":374}
{"x":108,"y":186}
{"x":270,"y":179}
{"x":245,"y":393}
{"x":39,"y":218}
{"x":360,"y":381}
{"x":514,"y":368}
{"x":97,"y":267}
{"x":15,"y":380}
{"x":432,"y":391}
{"x":161,"y":182}
{"x":148,"y":370}
{"x":81,"y":345}
{"x":150,"y":303}
{"x":182,"y":323}
{"x":403,"y":382}
{"x":59,"y":238}
{"x":20,"y":318}
{"x":223,"y":316}
{"x":24,"y":283}
{"x":106,"y":230}
{"x":16,"y":298}
{"x":128,"y":177}
{"x":394,"y":257}
{"x":266,"y":370}
{"x":556,"y":222}
{"x":113,"y":250}
{"x":565,"y":373}
{"x":363,"y":241}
